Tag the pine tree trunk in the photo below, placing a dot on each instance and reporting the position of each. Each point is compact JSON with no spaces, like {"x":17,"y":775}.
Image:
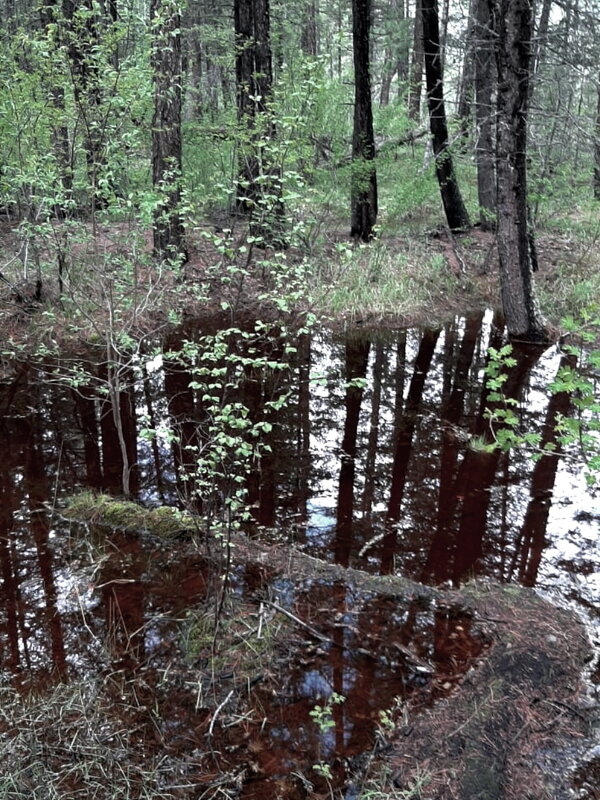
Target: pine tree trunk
{"x":309,"y":40}
{"x":456,"y":212}
{"x":416,"y":70}
{"x":169,"y":242}
{"x":597,"y":149}
{"x":512,"y":22}
{"x":467,"y":77}
{"x":484,"y":115}
{"x":364,"y":178}
{"x":259,"y":183}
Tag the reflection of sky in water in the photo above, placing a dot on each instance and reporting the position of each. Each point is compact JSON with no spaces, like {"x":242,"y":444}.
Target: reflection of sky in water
{"x":572,"y":527}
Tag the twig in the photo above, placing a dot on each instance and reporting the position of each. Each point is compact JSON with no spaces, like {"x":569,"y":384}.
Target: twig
{"x":217,"y":712}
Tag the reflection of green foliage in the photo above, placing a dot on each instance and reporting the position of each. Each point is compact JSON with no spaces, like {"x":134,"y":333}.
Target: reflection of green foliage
{"x":580,"y":382}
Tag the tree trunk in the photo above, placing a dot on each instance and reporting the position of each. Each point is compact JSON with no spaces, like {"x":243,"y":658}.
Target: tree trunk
{"x":512,"y":22}
{"x":403,"y":48}
{"x":416,"y":70}
{"x":389,"y":70}
{"x":456,"y":212}
{"x":364,"y":178}
{"x":541,"y":34}
{"x":309,"y":40}
{"x":484,"y":147}
{"x":467,"y":77}
{"x":597,"y":149}
{"x":168,"y":233}
{"x":82,"y":33}
{"x":259,"y":185}
{"x":60,"y":133}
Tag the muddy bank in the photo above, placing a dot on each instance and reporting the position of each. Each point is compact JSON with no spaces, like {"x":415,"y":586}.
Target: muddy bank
{"x":520,"y":719}
{"x":516,"y":724}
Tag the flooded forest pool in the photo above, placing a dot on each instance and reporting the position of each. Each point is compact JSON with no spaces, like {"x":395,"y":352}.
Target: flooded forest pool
{"x":374,"y":462}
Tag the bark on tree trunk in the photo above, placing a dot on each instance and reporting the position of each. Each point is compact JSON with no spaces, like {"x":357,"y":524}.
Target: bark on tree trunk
{"x":416,"y":69}
{"x":259,"y":185}
{"x":364,"y":179}
{"x":512,"y":22}
{"x":456,"y":212}
{"x":309,"y":39}
{"x":541,"y":34}
{"x":82,"y":33}
{"x":597,"y":149}
{"x":168,"y":233}
{"x":403,"y":48}
{"x":484,"y":148}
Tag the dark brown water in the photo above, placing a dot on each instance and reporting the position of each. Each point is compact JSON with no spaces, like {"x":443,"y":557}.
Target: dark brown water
{"x":376,"y":474}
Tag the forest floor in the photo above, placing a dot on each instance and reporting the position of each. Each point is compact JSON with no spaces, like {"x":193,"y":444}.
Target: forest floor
{"x":397,"y":281}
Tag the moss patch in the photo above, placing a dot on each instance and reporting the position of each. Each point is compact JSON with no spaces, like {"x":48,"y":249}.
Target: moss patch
{"x":108,"y":512}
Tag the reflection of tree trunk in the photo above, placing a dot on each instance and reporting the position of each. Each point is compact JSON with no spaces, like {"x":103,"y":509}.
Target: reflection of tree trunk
{"x":477,"y":474}
{"x":357,"y":357}
{"x":85,"y":408}
{"x":185,"y":419}
{"x":9,"y":589}
{"x":369,"y":490}
{"x":531,"y":539}
{"x":37,"y":490}
{"x":437,"y":562}
{"x":124,"y":602}
{"x":400,"y":377}
{"x":404,"y":435}
{"x":153,"y":422}
{"x":303,"y":444}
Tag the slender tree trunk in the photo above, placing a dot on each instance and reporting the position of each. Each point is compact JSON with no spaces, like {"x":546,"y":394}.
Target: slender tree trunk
{"x":541,"y":34}
{"x":168,"y":232}
{"x":416,"y":70}
{"x":444,"y":32}
{"x":389,"y":70}
{"x":364,"y":177}
{"x":259,"y":185}
{"x":597,"y":148}
{"x":309,"y":40}
{"x":60,"y":132}
{"x":403,"y":48}
{"x":484,"y":116}
{"x":456,"y":212}
{"x":467,"y":77}
{"x":82,"y":35}
{"x":512,"y":21}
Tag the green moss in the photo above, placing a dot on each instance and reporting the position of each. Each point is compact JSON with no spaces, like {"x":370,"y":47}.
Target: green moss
{"x":103,"y":510}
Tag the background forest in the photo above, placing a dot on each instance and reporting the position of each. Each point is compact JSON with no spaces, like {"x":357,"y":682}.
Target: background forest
{"x":230,"y":126}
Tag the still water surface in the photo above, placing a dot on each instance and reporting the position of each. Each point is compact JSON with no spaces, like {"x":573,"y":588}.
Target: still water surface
{"x":370,"y":467}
